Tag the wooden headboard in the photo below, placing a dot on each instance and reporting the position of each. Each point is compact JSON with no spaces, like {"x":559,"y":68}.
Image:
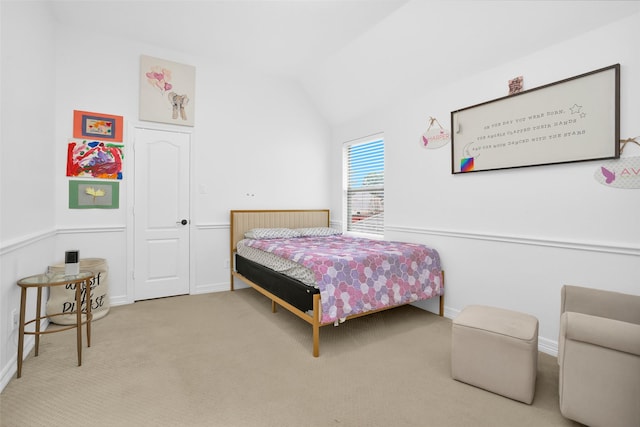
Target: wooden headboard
{"x":244,"y":220}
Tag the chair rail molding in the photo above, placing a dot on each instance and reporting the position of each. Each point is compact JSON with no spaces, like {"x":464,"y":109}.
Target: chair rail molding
{"x":524,"y":240}
{"x":84,"y":230}
{"x":24,"y":241}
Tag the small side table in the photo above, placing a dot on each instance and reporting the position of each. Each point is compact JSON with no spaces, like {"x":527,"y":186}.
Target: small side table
{"x":82,"y":284}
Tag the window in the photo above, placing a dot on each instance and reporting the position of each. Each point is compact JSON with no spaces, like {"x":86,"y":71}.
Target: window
{"x":364,"y":185}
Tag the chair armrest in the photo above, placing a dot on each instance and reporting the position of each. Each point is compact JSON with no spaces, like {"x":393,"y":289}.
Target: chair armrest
{"x":601,"y":303}
{"x":603,"y":332}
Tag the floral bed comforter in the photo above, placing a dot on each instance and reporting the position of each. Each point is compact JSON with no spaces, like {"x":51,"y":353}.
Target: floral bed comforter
{"x":357,"y":275}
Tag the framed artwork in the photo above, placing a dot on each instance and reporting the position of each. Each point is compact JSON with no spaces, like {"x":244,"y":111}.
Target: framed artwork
{"x":98,"y":126}
{"x":94,"y":194}
{"x":571,"y":120}
{"x":167,"y":91}
{"x":94,"y":159}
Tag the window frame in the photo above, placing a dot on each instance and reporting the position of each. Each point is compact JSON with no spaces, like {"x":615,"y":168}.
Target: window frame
{"x":378,"y":232}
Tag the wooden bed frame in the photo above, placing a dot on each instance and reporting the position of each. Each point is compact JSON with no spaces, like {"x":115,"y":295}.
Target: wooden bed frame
{"x":244,"y":220}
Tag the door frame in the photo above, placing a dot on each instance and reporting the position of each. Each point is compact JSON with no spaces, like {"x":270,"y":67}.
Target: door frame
{"x":130,"y":177}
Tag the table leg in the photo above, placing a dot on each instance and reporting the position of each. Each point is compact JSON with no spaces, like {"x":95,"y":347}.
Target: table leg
{"x":23,"y":302}
{"x":79,"y":322}
{"x":38,"y":311}
{"x":87,"y":285}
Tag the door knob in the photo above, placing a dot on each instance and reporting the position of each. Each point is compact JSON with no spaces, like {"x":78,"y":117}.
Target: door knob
{"x":183,"y":222}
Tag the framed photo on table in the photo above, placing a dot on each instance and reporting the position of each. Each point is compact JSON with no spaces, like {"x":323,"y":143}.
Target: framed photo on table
{"x":572,"y":120}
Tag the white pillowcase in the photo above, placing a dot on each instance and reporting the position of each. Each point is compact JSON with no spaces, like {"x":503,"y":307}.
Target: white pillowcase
{"x":317,"y":231}
{"x":271,"y":233}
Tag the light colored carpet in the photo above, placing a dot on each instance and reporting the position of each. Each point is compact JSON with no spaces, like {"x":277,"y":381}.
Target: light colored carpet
{"x":223,"y":359}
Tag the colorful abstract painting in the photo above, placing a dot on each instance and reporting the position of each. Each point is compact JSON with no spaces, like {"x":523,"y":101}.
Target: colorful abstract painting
{"x":95,"y":159}
{"x":98,"y":126}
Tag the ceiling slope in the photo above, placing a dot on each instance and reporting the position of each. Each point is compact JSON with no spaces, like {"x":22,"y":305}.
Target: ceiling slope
{"x":428,"y":44}
{"x":350,"y":55}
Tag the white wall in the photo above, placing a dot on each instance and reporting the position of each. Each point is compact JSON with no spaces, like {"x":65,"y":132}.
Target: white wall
{"x":512,"y":238}
{"x":26,"y":167}
{"x":245,"y":124}
{"x":254,"y":134}
{"x":28,"y":91}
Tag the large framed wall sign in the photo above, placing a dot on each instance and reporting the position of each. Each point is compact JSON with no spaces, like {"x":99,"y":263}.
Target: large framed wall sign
{"x":571,"y":120}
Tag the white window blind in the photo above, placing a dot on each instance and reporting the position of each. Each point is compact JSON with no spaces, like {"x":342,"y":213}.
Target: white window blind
{"x":364,"y":161}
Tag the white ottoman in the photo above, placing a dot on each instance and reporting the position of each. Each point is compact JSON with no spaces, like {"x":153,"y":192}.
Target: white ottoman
{"x":497,"y":350}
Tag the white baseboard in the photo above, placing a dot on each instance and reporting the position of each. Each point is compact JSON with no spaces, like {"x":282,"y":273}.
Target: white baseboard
{"x":119,"y":300}
{"x":548,"y":346}
{"x":11,"y":368}
{"x":210,"y":287}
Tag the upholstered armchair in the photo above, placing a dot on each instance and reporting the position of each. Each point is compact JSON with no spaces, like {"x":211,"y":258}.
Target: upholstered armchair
{"x":599,"y":357}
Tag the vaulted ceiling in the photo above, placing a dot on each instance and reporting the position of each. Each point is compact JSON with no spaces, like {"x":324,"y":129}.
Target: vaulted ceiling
{"x":349,"y":55}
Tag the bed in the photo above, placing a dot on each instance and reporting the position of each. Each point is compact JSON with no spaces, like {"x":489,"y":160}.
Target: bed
{"x":317,"y":301}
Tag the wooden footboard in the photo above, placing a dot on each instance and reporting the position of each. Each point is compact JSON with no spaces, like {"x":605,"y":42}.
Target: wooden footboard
{"x":314,"y":320}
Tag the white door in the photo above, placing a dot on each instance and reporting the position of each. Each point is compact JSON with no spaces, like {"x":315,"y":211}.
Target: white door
{"x":161,"y":213}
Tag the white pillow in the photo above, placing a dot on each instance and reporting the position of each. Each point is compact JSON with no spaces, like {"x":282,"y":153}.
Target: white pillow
{"x":317,"y":231}
{"x":271,"y":233}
